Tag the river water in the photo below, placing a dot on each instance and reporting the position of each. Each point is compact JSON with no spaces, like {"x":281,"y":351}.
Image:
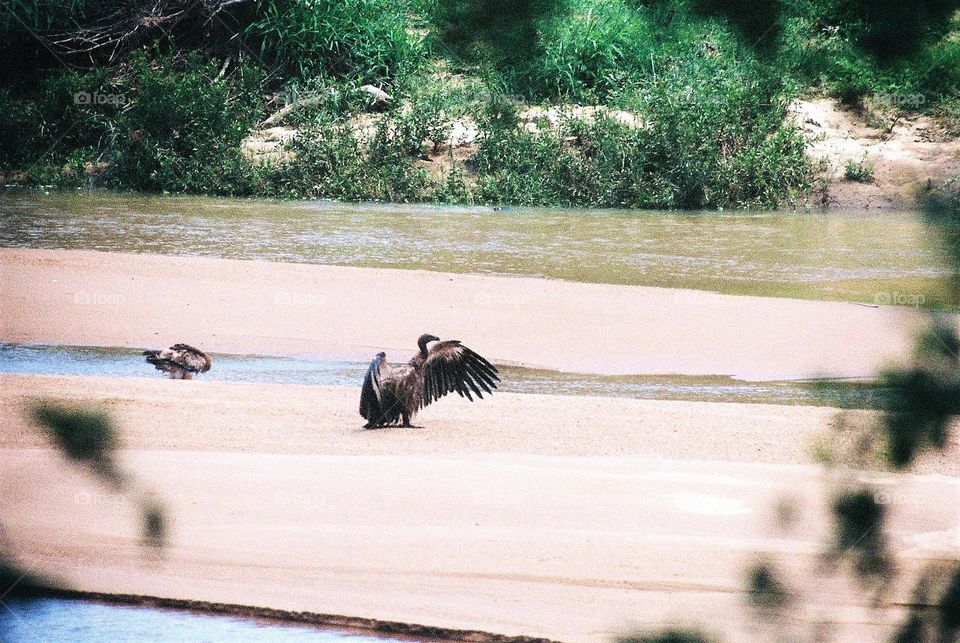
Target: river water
{"x":46,"y":620}
{"x":841,"y":256}
{"x":126,"y":362}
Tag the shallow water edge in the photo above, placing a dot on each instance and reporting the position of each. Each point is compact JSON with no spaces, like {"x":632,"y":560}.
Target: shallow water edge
{"x":38,"y":359}
{"x":346,"y":625}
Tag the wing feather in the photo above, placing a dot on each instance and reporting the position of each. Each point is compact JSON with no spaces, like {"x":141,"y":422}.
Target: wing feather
{"x":371,"y":396}
{"x":450,"y":366}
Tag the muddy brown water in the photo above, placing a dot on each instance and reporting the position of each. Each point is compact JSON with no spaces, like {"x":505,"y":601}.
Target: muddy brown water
{"x":868,"y":257}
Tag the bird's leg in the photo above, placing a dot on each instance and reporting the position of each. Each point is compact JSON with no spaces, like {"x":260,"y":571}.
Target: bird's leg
{"x":406,"y":422}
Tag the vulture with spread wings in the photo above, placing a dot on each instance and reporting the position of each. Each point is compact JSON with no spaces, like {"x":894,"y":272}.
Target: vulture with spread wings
{"x":394,"y":393}
{"x":180,"y":361}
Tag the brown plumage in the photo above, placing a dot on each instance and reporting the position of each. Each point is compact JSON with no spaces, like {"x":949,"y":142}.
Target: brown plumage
{"x":394,"y":393}
{"x":180,"y":361}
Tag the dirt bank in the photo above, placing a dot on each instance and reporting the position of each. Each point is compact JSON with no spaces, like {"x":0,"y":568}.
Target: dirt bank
{"x":909,"y":154}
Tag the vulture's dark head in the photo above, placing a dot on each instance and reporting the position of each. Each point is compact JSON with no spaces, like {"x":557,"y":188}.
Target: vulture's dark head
{"x":424,"y":339}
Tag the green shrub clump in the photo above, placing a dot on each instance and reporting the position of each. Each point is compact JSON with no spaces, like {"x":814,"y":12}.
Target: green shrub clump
{"x":698,"y":146}
{"x":182,"y":129}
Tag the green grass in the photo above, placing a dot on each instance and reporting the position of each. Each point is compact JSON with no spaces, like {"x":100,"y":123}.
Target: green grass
{"x":366,"y":41}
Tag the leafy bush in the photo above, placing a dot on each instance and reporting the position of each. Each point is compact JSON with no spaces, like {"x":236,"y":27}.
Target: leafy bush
{"x":703,"y":147}
{"x":332,"y":161}
{"x":157,"y":122}
{"x":21,"y":20}
{"x":182,"y":127}
{"x":861,"y":171}
{"x":938,"y":68}
{"x":853,"y":49}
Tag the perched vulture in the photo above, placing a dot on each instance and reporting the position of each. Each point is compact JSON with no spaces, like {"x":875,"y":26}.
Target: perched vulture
{"x":394,"y":393}
{"x":180,"y":361}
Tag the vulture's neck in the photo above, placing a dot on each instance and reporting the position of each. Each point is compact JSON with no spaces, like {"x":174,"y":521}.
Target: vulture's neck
{"x":423,"y":349}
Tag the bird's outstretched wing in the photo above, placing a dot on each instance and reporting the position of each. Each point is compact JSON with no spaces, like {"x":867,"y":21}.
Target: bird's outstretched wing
{"x":188,"y":357}
{"x":451,"y":366}
{"x":371,"y":396}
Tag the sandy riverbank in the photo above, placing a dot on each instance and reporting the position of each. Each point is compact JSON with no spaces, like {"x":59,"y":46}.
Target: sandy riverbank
{"x":158,"y":414}
{"x":571,"y":518}
{"x":112,"y":299}
{"x":567,"y":518}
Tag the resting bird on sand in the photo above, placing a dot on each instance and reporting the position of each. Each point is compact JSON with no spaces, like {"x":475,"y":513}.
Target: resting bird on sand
{"x":180,"y":361}
{"x":394,"y":393}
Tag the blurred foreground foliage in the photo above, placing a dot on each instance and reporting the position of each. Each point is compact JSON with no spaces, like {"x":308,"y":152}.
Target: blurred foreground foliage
{"x":89,"y":438}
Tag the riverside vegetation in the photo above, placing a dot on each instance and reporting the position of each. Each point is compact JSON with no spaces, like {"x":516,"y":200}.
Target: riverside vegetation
{"x":606,"y":103}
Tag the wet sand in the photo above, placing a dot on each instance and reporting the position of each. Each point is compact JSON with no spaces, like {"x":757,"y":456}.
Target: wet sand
{"x":112,"y":299}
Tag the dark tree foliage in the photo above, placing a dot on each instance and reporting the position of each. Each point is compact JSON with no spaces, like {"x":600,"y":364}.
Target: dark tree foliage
{"x":91,"y":438}
{"x":889,"y":29}
{"x":88,"y":437}
{"x":15,"y":583}
{"x":38,"y":34}
{"x":896,"y":28}
{"x":921,"y":399}
{"x":668,"y":636}
{"x":935,"y":609}
{"x":859,"y":533}
{"x":759,"y":21}
{"x":503,"y":26}
{"x":949,"y":620}
{"x":766,"y":589}
{"x":912,"y":631}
